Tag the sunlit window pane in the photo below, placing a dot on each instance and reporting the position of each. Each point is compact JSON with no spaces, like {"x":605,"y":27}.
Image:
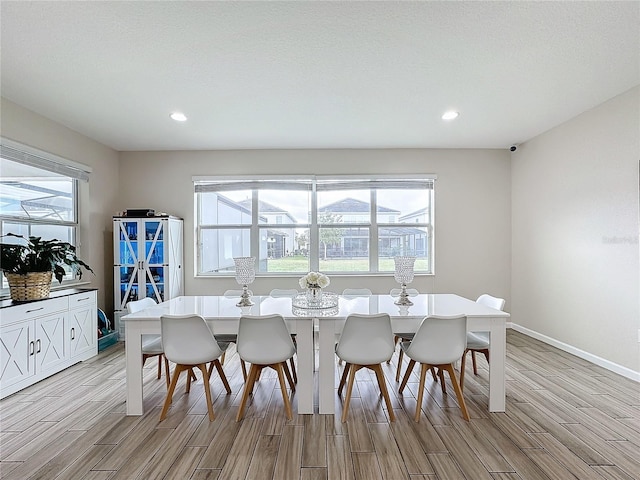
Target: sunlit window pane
{"x":344,"y":249}
{"x":283,"y":206}
{"x":228,"y":208}
{"x":33,"y":193}
{"x":218,"y":247}
{"x":344,"y":206}
{"x":403,"y":206}
{"x":403,"y":241}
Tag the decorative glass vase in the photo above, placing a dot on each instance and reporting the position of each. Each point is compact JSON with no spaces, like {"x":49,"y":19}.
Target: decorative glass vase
{"x":314,"y":294}
{"x":404,"y":275}
{"x":245,"y":275}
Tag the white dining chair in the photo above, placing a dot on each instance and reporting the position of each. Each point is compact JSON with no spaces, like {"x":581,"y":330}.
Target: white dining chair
{"x":356,"y":292}
{"x":188,"y":342}
{"x":395,"y":292}
{"x":283,"y":292}
{"x":151,"y":343}
{"x":479,"y":342}
{"x":366,"y":342}
{"x":438,"y":343}
{"x":265,"y":342}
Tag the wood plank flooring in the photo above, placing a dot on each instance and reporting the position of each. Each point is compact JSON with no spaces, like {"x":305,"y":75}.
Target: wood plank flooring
{"x":566,"y":418}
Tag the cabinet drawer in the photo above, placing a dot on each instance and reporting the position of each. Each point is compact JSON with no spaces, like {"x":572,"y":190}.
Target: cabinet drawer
{"x":81,"y":300}
{"x":29,"y":310}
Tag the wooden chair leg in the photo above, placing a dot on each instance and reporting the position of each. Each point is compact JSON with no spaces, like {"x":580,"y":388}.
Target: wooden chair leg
{"x":423,"y":376}
{"x":223,"y":377}
{"x":462,"y":368}
{"x":289,"y":377}
{"x":383,"y":389}
{"x":244,"y":370}
{"x":443,"y":385}
{"x":189,"y":376}
{"x":207,"y":390}
{"x":285,"y":395}
{"x":343,"y":379}
{"x":248,"y":388}
{"x":485,"y":352}
{"x":223,"y":357}
{"x":456,"y":387}
{"x":407,"y":373}
{"x":160,"y":357}
{"x":473,"y":361}
{"x":293,"y":370}
{"x":174,"y":381}
{"x":400,"y":357}
{"x":347,"y":400}
{"x":166,"y":371}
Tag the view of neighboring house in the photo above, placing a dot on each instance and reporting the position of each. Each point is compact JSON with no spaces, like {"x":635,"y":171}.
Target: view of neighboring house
{"x":341,"y":235}
{"x":393,"y":237}
{"x":230,"y":243}
{"x":279,"y":241}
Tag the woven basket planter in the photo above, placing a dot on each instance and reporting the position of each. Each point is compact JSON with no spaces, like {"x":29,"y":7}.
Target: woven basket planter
{"x":30,"y":286}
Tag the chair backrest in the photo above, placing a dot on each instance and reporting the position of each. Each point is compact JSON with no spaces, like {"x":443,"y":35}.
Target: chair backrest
{"x":264,"y":339}
{"x":187,"y":339}
{"x":366,"y":339}
{"x":232,"y":293}
{"x":137,"y":305}
{"x":489,"y":301}
{"x":395,"y":292}
{"x":356,"y":292}
{"x":283,"y":292}
{"x":439,"y":340}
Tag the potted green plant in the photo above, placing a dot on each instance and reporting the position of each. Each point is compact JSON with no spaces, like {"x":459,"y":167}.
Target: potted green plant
{"x":30,"y":265}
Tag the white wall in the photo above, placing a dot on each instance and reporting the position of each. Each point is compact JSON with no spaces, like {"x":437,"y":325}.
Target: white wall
{"x":472,"y":206}
{"x":575,"y":263}
{"x":29,"y":128}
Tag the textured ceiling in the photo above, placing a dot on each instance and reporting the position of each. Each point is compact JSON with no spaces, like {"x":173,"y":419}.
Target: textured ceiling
{"x":316,"y":74}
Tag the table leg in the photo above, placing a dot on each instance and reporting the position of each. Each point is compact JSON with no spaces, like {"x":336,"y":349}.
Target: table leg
{"x":133,"y":351}
{"x":326,"y":366}
{"x":497,"y":370}
{"x":304,"y":389}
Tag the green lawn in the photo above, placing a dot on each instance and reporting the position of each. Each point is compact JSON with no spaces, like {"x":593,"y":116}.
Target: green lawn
{"x":301,"y":264}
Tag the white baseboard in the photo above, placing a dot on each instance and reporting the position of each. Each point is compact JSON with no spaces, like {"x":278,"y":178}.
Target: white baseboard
{"x":614,"y":367}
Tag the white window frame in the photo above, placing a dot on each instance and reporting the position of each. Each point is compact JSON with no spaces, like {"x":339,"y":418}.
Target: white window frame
{"x":373,"y":225}
{"x":78,"y":173}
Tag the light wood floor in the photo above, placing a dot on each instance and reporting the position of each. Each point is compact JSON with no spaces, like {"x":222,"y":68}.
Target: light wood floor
{"x":565,"y":419}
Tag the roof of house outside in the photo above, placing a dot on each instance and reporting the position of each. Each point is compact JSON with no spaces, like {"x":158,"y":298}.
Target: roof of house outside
{"x":265,"y":207}
{"x":351,"y":205}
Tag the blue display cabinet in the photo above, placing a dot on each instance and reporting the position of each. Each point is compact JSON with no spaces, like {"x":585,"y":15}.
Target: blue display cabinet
{"x":148,"y":255}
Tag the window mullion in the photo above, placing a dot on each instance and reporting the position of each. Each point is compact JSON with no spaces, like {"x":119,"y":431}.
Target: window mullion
{"x":373,"y":233}
{"x":254,"y":236}
{"x":314,"y":233}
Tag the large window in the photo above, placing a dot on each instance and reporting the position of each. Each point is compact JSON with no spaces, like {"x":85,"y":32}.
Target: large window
{"x":39,"y":194}
{"x":332,"y":224}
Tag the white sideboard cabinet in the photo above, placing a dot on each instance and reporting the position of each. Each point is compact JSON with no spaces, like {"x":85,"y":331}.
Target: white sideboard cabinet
{"x":40,"y":338}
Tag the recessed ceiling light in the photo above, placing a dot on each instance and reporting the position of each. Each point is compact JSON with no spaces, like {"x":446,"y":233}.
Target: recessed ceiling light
{"x":179,"y":117}
{"x":450,"y":115}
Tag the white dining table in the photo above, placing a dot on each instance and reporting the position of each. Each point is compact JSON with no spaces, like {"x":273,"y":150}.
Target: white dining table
{"x":223,"y":315}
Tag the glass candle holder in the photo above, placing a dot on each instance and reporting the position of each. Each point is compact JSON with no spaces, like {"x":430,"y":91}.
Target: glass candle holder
{"x":245,"y":275}
{"x":404,"y":275}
